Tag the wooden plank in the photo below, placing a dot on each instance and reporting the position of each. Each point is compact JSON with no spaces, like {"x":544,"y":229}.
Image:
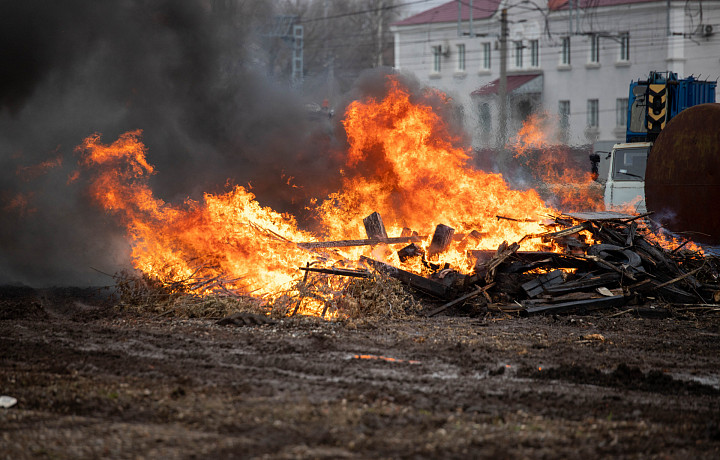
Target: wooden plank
{"x":337,"y":271}
{"x":559,"y":260}
{"x":463,"y":298}
{"x":441,"y":240}
{"x":600,"y":215}
{"x":583,"y":305}
{"x":568,"y":231}
{"x":374,"y":227}
{"x":504,"y":251}
{"x":604,"y":279}
{"x":410,"y":251}
{"x":539,"y":284}
{"x":364,"y":242}
{"x":411,"y":279}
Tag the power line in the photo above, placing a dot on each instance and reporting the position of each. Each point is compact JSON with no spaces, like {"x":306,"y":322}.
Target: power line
{"x":359,"y":12}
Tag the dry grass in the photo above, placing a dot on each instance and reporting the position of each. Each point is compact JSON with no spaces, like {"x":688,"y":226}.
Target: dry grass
{"x":329,"y":296}
{"x":377,"y":297}
{"x":143,"y":294}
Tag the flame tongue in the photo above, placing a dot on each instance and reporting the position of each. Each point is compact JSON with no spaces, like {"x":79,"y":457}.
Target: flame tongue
{"x":401,"y":163}
{"x":228,"y":235}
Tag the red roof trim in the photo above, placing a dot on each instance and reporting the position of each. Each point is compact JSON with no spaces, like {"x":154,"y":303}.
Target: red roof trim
{"x":513,"y":82}
{"x":448,"y":12}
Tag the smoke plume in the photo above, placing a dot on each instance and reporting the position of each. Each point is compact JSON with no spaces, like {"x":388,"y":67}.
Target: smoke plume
{"x":184,"y":72}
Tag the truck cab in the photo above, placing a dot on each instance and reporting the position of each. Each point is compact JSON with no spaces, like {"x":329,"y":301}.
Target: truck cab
{"x":651,"y":104}
{"x":625,"y":184}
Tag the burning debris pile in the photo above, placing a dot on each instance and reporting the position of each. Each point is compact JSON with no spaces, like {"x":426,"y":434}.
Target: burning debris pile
{"x":592,"y":261}
{"x":454,"y":223}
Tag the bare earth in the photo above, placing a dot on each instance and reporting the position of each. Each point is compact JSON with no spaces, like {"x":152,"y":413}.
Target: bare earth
{"x":94,"y":382}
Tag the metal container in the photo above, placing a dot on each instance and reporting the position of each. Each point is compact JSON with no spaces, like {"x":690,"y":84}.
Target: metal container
{"x":682,"y":180}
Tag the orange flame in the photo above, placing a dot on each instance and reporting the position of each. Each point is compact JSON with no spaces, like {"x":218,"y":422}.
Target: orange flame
{"x":229,"y":235}
{"x":401,"y":162}
{"x":561,"y":178}
{"x":34,"y":171}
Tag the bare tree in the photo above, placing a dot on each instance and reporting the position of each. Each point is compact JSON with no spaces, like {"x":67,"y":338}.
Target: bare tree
{"x":342,"y":38}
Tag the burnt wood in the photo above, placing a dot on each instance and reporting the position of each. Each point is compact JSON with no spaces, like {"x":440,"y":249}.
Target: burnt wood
{"x":460,"y":299}
{"x":578,"y":305}
{"x":336,"y":271}
{"x":537,"y":286}
{"x":410,"y":251}
{"x":411,"y":279}
{"x":374,"y":227}
{"x":441,"y":240}
{"x":365,"y":242}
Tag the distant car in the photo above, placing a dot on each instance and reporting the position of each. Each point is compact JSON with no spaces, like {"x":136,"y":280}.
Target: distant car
{"x":315,"y":111}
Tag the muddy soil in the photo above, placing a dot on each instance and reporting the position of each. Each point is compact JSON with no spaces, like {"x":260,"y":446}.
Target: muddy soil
{"x":95,"y":382}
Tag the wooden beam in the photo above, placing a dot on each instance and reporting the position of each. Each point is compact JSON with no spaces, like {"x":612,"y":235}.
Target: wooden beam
{"x":467,"y":296}
{"x":364,"y":242}
{"x":589,"y":304}
{"x":441,"y":240}
{"x":374,"y":226}
{"x":411,"y":279}
{"x":336,"y":271}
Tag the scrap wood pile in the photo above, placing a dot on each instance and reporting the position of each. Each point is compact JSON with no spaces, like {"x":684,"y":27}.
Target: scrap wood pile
{"x":605,"y":260}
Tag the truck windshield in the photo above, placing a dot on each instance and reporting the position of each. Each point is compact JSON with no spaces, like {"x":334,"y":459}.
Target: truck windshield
{"x":629,"y":164}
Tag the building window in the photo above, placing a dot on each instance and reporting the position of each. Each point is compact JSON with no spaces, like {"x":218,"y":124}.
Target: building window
{"x":564,"y":112}
{"x":485,"y":121}
{"x":595,"y":48}
{"x":461,"y":57}
{"x":534,"y":53}
{"x":565,"y":58}
{"x":625,"y":46}
{"x":593,"y":113}
{"x":437,"y":53}
{"x":621,"y":110}
{"x":519,"y":54}
{"x":486,"y":56}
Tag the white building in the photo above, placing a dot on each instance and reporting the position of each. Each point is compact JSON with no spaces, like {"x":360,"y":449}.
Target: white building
{"x":573,"y":59}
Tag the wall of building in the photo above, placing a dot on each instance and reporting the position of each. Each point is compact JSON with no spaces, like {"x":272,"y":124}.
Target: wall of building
{"x":687,"y":51}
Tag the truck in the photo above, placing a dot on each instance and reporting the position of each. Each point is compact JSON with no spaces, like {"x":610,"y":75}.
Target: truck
{"x":652,"y":103}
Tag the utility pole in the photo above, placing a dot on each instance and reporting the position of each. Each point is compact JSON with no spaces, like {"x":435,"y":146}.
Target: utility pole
{"x":379,"y":50}
{"x":459,"y":24}
{"x":502,"y":86}
{"x":472,"y":34}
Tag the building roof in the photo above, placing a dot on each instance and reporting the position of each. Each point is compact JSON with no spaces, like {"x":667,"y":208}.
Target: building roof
{"x":557,"y":5}
{"x":513,"y":82}
{"x":448,"y":12}
{"x":483,"y":9}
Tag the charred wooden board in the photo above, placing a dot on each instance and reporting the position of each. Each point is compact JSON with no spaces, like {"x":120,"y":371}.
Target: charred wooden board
{"x":411,"y":279}
{"x":590,"y":282}
{"x":459,"y":300}
{"x":338,"y":271}
{"x":365,"y":242}
{"x":539,"y":284}
{"x":533,"y":258}
{"x":374,"y":227}
{"x":441,"y":240}
{"x":578,"y":305}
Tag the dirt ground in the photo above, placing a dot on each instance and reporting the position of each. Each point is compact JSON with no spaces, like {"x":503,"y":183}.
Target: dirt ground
{"x":95,"y":382}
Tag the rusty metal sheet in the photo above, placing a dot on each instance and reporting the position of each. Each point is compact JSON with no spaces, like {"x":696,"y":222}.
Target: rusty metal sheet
{"x":682,"y":180}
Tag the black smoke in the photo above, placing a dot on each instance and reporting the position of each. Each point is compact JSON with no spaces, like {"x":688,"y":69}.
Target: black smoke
{"x":186,"y":72}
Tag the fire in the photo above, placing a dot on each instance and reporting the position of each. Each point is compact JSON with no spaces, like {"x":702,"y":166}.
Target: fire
{"x":401,"y":163}
{"x":31,"y":172}
{"x":227,"y":235}
{"x":561,"y":176}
